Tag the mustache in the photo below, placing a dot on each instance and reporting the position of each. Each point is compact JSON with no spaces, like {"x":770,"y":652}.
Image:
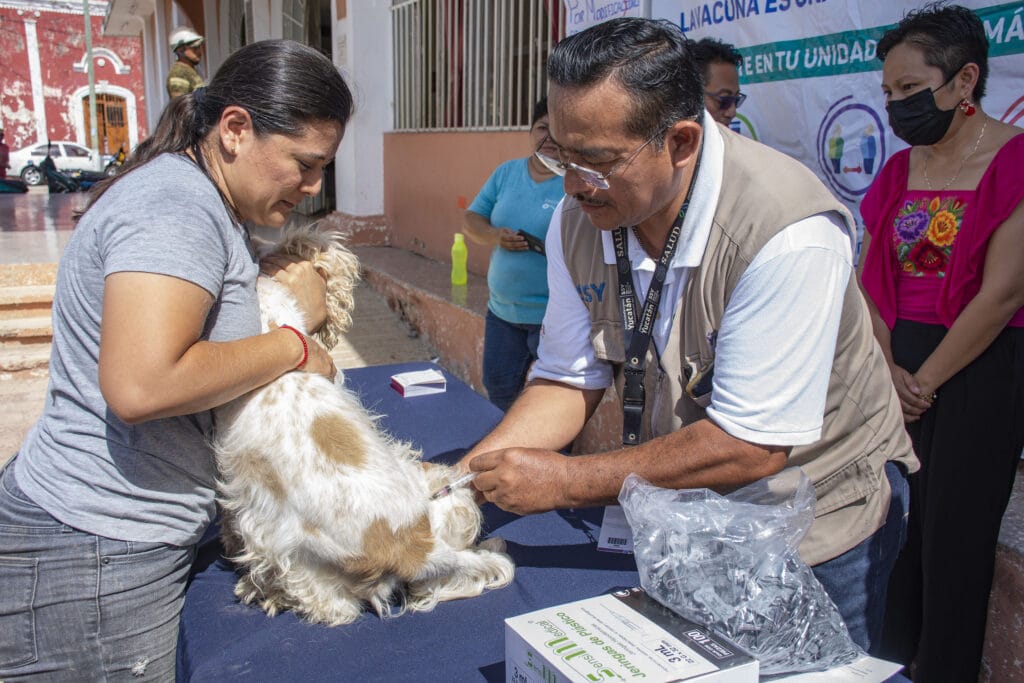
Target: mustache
{"x":584,"y":199}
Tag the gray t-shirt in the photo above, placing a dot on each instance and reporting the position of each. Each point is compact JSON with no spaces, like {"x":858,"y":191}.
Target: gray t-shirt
{"x":152,"y":481}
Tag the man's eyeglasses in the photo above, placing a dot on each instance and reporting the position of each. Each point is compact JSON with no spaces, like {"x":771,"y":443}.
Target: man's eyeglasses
{"x":726,"y":101}
{"x":598,"y":181}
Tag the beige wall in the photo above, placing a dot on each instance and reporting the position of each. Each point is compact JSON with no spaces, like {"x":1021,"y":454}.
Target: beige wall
{"x":426,"y":175}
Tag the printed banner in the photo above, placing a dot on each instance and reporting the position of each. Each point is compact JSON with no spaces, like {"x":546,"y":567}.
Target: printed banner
{"x":813,"y":78}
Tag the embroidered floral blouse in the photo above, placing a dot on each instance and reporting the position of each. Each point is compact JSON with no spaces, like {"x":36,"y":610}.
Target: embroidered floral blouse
{"x":924,"y":233}
{"x":927,"y":253}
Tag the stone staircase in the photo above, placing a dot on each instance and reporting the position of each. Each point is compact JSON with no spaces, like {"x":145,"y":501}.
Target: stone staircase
{"x":25,"y":328}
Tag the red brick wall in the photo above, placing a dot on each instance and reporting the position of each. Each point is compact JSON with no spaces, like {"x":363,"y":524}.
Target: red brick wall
{"x":61,"y":44}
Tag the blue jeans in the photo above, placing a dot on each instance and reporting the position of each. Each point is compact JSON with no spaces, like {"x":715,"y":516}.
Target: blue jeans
{"x":857,"y":580}
{"x":79,"y":607}
{"x":509,"y":348}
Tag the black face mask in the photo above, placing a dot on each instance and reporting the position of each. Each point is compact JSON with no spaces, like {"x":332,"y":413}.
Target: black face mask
{"x":917,"y":120}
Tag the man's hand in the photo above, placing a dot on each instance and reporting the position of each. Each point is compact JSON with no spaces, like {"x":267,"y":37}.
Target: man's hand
{"x":522,"y":480}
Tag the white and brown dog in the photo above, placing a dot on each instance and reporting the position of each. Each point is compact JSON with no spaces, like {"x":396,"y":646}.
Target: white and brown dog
{"x":325,"y":513}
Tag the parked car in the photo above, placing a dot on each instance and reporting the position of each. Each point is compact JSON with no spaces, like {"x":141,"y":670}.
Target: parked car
{"x":67,"y":156}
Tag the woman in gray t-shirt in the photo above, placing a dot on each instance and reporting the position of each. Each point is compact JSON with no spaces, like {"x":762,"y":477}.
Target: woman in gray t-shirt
{"x":155,"y":323}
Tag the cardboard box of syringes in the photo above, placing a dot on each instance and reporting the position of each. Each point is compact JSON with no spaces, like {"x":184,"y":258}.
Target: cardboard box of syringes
{"x":622,"y":636}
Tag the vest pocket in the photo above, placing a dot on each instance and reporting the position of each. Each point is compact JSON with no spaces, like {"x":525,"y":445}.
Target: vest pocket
{"x":606,"y":337}
{"x":17,"y":617}
{"x":854,"y":481}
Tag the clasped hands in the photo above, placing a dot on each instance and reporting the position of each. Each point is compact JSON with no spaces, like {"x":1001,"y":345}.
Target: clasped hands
{"x":915,"y":395}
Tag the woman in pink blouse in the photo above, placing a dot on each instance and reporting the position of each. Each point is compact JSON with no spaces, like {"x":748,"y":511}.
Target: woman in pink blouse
{"x":942,"y":273}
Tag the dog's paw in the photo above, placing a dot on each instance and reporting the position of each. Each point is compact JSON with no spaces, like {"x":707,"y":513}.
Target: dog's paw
{"x":502,"y":571}
{"x":494,"y":543}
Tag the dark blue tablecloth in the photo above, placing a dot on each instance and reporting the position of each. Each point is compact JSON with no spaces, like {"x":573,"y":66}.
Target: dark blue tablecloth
{"x":555,"y":556}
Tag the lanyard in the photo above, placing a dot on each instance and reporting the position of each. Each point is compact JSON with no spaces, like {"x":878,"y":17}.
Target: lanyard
{"x":637,"y":336}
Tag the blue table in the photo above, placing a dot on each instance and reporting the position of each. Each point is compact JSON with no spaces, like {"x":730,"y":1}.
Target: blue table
{"x":555,"y":556}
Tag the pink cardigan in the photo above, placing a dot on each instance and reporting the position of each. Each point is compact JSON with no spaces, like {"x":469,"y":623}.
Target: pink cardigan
{"x":1000,"y":191}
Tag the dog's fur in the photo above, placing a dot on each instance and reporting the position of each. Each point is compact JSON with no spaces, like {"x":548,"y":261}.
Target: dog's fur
{"x":323,"y":512}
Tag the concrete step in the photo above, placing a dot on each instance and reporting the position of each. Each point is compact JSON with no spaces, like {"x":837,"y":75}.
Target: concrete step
{"x":25,"y":342}
{"x":25,"y":301}
{"x":449,"y":319}
{"x":28,"y":359}
{"x":23,"y":331}
{"x":18,"y":274}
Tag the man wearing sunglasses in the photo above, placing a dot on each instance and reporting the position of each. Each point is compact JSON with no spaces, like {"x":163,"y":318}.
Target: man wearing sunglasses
{"x":710,"y":280}
{"x":719,"y":64}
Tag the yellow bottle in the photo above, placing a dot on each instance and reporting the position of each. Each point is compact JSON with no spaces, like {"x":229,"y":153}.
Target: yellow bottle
{"x":459,"y":254}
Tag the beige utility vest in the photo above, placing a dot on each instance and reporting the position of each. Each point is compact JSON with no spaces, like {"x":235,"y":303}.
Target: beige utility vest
{"x":762,"y":192}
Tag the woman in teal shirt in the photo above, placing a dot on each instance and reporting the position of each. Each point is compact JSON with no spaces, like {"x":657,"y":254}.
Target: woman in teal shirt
{"x":521,"y":195}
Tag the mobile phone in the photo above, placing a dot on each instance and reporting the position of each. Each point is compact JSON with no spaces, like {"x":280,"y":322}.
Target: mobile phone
{"x":534,"y":243}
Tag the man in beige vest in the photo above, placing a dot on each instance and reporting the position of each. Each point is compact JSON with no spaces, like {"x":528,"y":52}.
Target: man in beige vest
{"x":760,"y":352}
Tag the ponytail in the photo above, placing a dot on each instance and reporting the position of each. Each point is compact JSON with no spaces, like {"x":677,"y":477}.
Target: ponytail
{"x":182,"y":127}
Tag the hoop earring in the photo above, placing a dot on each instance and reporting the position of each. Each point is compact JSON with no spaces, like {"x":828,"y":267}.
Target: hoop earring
{"x":967,"y":107}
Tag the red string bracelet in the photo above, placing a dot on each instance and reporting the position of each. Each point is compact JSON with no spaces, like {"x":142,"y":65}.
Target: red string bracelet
{"x":305,"y":346}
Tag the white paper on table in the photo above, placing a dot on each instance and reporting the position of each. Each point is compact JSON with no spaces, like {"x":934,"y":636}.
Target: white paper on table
{"x":616,"y":536}
{"x":864,"y":670}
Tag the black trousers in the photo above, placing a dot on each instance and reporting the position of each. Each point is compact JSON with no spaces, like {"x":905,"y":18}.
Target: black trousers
{"x":969,"y":443}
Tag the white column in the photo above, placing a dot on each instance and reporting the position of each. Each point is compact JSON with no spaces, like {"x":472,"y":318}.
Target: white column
{"x":362,"y":51}
{"x":276,"y":19}
{"x":36,"y":78}
{"x":261,"y":20}
{"x":214,"y":44}
{"x":161,"y":33}
{"x":154,"y":84}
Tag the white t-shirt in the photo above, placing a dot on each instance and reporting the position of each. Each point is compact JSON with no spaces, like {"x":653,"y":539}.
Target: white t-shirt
{"x":778,"y":334}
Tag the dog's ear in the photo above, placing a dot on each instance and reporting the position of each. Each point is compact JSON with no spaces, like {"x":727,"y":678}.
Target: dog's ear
{"x":341,"y":268}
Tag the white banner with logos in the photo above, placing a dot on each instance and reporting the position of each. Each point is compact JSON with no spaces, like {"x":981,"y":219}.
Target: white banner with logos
{"x":814,"y":80}
{"x":812,"y":75}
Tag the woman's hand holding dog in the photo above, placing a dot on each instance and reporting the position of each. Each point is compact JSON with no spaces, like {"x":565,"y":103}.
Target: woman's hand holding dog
{"x":309,"y":288}
{"x":318,"y":360}
{"x":305,"y":283}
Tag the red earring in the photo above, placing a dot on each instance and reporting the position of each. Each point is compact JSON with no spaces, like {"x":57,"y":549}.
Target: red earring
{"x":967,"y":107}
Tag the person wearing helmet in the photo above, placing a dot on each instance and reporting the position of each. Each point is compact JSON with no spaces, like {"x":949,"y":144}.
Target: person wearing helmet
{"x":188,"y":48}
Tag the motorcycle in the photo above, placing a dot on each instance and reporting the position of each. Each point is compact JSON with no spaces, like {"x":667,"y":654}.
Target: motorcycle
{"x":114,"y":164}
{"x":58,"y":181}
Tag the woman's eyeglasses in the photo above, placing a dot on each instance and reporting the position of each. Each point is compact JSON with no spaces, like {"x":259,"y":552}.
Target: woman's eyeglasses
{"x":727,"y":101}
{"x":598,"y":181}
